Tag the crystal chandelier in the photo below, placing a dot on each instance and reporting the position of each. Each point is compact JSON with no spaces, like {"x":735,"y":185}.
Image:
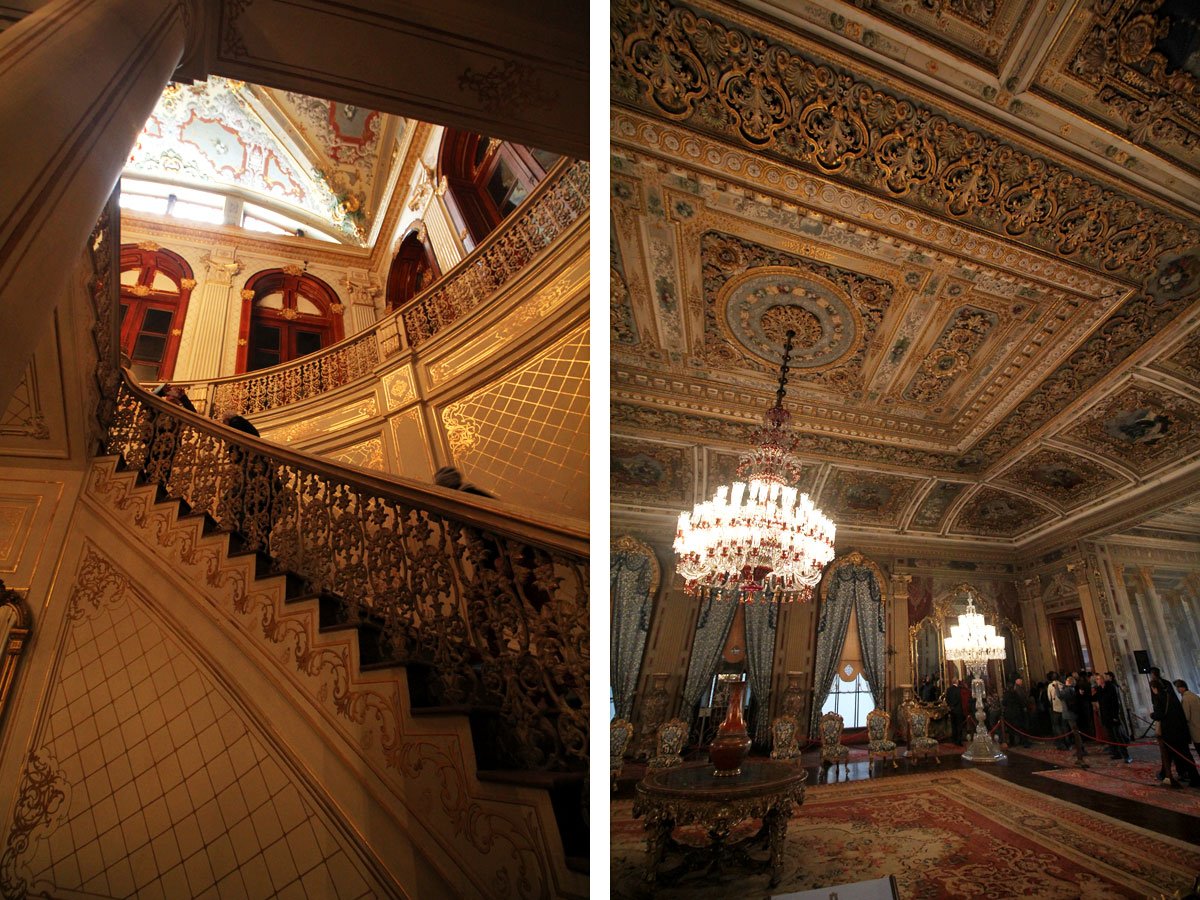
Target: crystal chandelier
{"x":759,"y":539}
{"x":974,"y":643}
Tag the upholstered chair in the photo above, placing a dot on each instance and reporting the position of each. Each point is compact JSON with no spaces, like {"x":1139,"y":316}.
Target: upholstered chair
{"x":620,"y":732}
{"x":919,"y":742}
{"x":832,"y":748}
{"x":879,"y":723}
{"x":672,"y":736}
{"x":785,"y":738}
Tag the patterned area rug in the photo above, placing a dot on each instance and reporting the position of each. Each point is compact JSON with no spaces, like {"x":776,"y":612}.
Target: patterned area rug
{"x":1132,"y":781}
{"x":946,"y":834}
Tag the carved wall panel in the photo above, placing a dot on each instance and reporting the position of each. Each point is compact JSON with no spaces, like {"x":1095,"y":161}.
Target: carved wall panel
{"x":28,"y":507}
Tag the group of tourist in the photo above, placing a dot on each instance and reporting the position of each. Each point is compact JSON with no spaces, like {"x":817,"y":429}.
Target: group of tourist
{"x":1083,"y":705}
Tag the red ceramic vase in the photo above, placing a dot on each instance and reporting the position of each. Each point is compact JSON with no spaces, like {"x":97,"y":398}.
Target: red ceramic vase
{"x":732,"y":742}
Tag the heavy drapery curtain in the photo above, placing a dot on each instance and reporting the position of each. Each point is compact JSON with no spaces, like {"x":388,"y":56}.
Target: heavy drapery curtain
{"x":711,"y":631}
{"x":868,"y":608}
{"x":850,"y":587}
{"x":633,"y":576}
{"x":761,"y":620}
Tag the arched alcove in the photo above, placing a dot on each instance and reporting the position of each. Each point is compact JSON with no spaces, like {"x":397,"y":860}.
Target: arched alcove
{"x":287,"y":314}
{"x":413,"y":269}
{"x":156,"y":285}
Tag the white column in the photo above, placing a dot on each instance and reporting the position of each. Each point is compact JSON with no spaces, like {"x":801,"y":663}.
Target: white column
{"x":205,"y":333}
{"x":365,"y":300}
{"x":446,"y":243}
{"x":1169,"y":661}
{"x":78,"y":79}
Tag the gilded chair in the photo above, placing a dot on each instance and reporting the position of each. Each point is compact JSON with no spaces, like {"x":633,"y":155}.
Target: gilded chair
{"x":620,"y":732}
{"x":919,"y":742}
{"x":671,"y":737}
{"x":785,"y":738}
{"x":879,"y":723}
{"x":832,"y":748}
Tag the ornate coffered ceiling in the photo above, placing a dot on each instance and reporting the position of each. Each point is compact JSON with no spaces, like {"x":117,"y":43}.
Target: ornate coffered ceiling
{"x":994,"y":339}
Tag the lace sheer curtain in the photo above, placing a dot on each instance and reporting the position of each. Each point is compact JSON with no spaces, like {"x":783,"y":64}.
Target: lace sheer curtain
{"x":711,"y":631}
{"x":633,"y":578}
{"x":761,"y":622}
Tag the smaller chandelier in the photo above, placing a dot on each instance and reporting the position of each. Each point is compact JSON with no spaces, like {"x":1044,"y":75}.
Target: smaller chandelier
{"x":972,"y":642}
{"x":758,"y":539}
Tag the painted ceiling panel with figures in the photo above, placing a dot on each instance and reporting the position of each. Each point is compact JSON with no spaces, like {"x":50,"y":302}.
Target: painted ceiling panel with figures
{"x":969,"y":305}
{"x":324,"y":158}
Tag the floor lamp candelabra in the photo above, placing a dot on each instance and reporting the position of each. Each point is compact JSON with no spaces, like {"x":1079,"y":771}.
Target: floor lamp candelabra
{"x":973,"y":643}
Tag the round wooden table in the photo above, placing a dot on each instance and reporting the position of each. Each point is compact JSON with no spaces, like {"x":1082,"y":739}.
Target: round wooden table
{"x":692,"y":795}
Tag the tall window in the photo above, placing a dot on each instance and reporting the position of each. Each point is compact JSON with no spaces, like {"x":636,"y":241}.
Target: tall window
{"x":850,"y":697}
{"x":487,"y":179}
{"x":289,"y":314}
{"x":155,"y":287}
{"x":413,"y":270}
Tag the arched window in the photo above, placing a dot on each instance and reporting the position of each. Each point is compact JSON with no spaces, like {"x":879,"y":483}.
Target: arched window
{"x":487,"y":179}
{"x":287,"y":314}
{"x":155,"y":287}
{"x":413,"y":269}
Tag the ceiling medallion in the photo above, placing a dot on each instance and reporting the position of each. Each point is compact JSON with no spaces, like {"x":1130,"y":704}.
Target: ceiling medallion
{"x":759,"y":539}
{"x":759,"y":307}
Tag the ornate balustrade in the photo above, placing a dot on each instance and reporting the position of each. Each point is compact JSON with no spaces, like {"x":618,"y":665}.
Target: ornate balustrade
{"x":306,"y":377}
{"x":555,"y":205}
{"x":492,"y":607}
{"x":560,"y":201}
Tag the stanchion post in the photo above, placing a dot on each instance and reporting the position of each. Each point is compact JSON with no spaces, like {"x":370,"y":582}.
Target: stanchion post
{"x":1078,"y":748}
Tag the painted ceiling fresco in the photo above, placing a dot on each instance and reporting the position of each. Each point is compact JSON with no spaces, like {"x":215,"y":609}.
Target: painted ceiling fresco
{"x":328,"y":159}
{"x":965,"y":300}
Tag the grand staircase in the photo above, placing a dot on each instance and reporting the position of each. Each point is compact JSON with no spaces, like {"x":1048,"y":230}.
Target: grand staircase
{"x":477,"y":615}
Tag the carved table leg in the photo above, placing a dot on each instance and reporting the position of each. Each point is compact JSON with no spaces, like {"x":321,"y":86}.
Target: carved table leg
{"x":658,"y":833}
{"x":775,"y":823}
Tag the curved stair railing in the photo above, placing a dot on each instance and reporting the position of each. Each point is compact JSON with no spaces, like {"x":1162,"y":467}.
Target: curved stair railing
{"x":555,"y":205}
{"x":486,"y":609}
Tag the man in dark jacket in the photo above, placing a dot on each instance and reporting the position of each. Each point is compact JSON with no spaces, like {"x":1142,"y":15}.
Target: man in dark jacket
{"x":1110,"y":717}
{"x":1173,"y":731}
{"x":1016,"y":712}
{"x":954,"y":699}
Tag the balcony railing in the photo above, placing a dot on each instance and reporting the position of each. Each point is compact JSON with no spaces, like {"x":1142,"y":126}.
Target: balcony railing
{"x":554,"y":206}
{"x":490,"y":608}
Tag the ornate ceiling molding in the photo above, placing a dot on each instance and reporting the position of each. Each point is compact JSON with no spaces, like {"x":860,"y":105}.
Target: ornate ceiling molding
{"x":787,"y":100}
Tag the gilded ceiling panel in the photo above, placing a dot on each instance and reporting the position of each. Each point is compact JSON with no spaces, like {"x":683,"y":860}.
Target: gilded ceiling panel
{"x":932,"y":510}
{"x":1066,"y":479}
{"x":1131,"y":65}
{"x":754,"y":294}
{"x":647,"y":472}
{"x":996,"y":513}
{"x":796,"y":102}
{"x":1142,"y":427}
{"x":979,"y":31}
{"x":1185,"y":361}
{"x":856,"y":497}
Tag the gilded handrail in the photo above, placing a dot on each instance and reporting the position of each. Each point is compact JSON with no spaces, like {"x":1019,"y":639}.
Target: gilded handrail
{"x":552,"y":208}
{"x":491,"y":607}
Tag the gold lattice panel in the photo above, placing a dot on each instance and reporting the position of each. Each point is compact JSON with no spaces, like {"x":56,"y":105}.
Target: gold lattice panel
{"x":20,"y":410}
{"x":525,"y":437}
